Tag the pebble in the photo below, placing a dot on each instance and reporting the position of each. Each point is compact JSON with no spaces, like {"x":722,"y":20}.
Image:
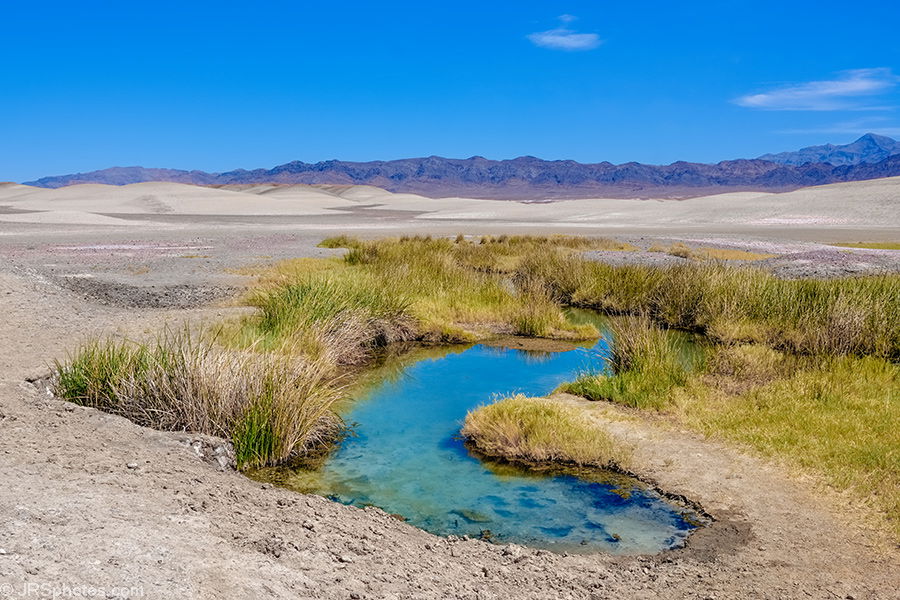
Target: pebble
{"x":2,"y":551}
{"x":132,"y":465}
{"x":345,"y":558}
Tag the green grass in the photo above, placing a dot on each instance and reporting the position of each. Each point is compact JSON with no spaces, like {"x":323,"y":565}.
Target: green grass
{"x":804,"y":371}
{"x":436,"y":290}
{"x":340,"y":315}
{"x":538,"y":430}
{"x":647,"y":363}
{"x":271,"y":407}
{"x":858,"y":315}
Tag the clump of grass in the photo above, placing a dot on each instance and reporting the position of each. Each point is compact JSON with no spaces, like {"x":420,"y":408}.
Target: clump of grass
{"x":339,"y":241}
{"x":344,"y":316}
{"x":703,"y":253}
{"x":271,"y":407}
{"x":541,"y":430}
{"x":733,"y":254}
{"x":680,"y":250}
{"x":646,"y":362}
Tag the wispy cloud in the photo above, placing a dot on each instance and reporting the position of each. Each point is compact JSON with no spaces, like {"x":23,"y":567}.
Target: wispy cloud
{"x":563,"y":38}
{"x":879,"y":125}
{"x":849,"y":90}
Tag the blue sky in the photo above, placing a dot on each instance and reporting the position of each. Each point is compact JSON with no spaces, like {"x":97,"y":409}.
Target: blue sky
{"x":221,"y":85}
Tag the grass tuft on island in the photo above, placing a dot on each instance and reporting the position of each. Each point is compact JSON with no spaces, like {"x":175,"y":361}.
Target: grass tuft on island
{"x":539,"y":431}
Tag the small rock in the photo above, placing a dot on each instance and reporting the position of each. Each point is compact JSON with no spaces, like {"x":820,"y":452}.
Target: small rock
{"x":345,"y":558}
{"x":309,"y":525}
{"x":132,"y":465}
{"x":2,"y":551}
{"x":355,"y":596}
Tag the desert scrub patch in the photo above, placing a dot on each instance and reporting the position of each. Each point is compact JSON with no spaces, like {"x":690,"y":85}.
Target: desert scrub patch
{"x":542,"y":430}
{"x":271,"y":407}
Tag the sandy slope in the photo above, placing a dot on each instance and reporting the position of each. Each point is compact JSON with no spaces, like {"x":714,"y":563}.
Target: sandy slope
{"x":867,"y":204}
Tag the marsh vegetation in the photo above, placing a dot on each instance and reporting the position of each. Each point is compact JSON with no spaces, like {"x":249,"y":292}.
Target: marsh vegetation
{"x":803,"y":371}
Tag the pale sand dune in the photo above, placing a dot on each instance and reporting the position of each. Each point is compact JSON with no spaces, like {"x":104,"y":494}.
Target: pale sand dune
{"x":68,"y":217}
{"x":865,"y":204}
{"x":174,"y":198}
{"x":9,"y":190}
{"x":873,"y":203}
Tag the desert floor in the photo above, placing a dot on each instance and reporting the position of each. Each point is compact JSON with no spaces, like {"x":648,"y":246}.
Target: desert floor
{"x":90,"y":260}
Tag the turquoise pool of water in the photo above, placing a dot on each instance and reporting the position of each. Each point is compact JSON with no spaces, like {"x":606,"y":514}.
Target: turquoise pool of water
{"x":404,"y":456}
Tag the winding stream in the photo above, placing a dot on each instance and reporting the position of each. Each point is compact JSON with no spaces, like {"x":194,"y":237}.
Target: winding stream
{"x":405,"y":457}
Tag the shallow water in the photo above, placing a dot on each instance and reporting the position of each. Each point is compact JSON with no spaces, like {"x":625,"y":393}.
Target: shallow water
{"x":405,"y":457}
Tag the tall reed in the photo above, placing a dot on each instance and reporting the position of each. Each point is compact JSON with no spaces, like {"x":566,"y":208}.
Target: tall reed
{"x":856,"y":315}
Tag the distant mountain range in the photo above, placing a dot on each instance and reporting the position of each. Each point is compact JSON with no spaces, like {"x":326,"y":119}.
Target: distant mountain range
{"x":870,"y":148}
{"x":527,"y":177}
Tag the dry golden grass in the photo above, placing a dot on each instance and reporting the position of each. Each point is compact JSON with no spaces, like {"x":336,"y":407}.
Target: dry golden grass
{"x":704,"y":253}
{"x":730,"y":254}
{"x":871,"y":245}
{"x":272,"y":408}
